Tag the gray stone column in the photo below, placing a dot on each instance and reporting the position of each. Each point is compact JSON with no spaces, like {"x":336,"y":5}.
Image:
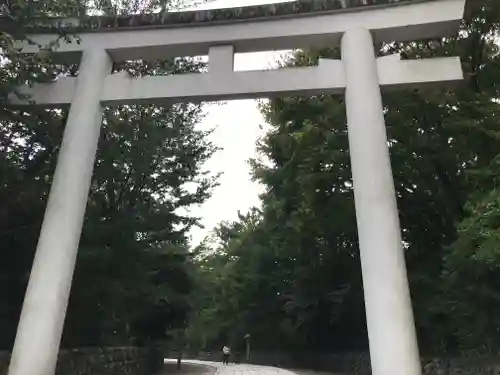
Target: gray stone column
{"x":44,"y":309}
{"x":389,"y":315}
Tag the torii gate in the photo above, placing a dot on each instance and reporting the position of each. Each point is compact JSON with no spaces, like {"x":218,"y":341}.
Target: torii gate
{"x":359,"y":76}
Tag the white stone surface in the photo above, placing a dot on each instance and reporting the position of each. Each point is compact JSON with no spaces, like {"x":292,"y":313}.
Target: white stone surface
{"x":396,"y":74}
{"x":236,"y":369}
{"x":42,"y":319}
{"x":223,"y":83}
{"x":412,"y":21}
{"x":221,"y":60}
{"x":232,"y":85}
{"x":389,"y":315}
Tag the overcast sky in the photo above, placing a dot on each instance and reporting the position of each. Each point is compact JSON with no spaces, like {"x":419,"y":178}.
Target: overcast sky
{"x":237,"y":126}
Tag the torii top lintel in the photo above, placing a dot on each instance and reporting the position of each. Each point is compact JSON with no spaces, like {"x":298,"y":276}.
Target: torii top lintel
{"x":301,"y":24}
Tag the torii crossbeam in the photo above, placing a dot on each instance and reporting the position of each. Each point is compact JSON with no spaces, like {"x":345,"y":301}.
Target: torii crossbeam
{"x":359,"y":75}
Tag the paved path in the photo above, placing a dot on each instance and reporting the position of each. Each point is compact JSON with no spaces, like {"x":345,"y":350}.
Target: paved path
{"x":240,"y":369}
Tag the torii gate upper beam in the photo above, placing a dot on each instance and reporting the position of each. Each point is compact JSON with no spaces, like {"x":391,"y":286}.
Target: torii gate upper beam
{"x":399,"y":21}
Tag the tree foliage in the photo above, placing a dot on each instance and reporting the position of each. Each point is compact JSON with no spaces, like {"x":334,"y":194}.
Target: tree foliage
{"x":289,"y":274}
{"x":133,"y":277}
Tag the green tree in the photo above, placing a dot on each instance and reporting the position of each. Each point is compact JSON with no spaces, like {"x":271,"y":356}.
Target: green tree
{"x":300,"y":261}
{"x":132,"y":282}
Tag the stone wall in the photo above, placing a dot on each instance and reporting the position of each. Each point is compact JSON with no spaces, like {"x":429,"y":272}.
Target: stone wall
{"x":102,"y":361}
{"x":359,"y":364}
{"x":462,"y":366}
{"x":4,"y":362}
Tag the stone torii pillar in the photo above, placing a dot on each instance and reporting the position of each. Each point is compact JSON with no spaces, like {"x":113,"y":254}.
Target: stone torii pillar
{"x":359,"y":75}
{"x":44,"y":309}
{"x":388,"y":307}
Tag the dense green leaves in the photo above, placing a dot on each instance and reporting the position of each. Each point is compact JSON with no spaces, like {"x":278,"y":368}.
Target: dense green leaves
{"x":133,"y":277}
{"x":290,"y":274}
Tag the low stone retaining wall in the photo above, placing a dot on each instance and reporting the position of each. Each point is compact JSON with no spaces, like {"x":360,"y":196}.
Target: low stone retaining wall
{"x":462,"y":366}
{"x":359,"y":363}
{"x":4,"y":362}
{"x":102,"y":361}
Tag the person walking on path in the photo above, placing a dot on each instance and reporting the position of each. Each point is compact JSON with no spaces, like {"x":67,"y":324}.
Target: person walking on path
{"x":226,"y":352}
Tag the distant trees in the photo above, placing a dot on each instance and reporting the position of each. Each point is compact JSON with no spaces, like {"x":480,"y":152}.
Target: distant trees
{"x":133,"y":276}
{"x":289,"y":274}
